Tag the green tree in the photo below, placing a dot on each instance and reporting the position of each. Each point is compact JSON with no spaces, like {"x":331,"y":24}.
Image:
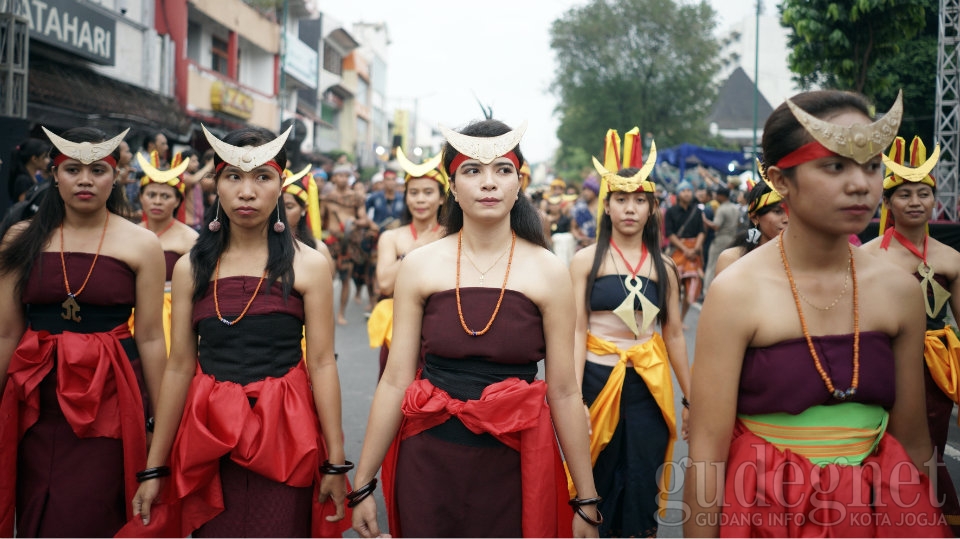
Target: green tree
{"x":625,"y":63}
{"x":835,"y":44}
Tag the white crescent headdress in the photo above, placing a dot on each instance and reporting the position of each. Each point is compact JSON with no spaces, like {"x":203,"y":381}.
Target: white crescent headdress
{"x":247,"y":158}
{"x":86,"y":152}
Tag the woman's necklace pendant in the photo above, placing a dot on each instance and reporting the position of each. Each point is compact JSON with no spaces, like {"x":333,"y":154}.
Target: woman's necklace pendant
{"x":226,"y":322}
{"x":71,"y":309}
{"x":844,"y":395}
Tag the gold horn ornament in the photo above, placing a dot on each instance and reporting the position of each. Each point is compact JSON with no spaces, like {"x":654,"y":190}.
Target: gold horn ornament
{"x":246,"y":158}
{"x":858,"y":142}
{"x":421,"y":170}
{"x":294,"y":177}
{"x":161,"y":176}
{"x":615,"y":182}
{"x":85,"y":152}
{"x":911,"y":174}
{"x":484,"y":149}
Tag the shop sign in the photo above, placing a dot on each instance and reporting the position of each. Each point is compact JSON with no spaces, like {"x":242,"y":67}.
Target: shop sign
{"x":69,"y":25}
{"x":231,"y":100}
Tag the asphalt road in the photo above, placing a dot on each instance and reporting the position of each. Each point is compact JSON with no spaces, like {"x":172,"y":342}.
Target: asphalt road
{"x":358,"y":366}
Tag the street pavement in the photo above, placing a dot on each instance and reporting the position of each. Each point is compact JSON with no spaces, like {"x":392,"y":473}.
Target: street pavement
{"x":358,"y":366}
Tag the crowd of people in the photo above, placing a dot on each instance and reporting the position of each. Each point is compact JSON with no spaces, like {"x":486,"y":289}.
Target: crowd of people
{"x":167,"y":339}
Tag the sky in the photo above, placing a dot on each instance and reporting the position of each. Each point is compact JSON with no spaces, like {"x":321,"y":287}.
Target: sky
{"x":444,"y":53}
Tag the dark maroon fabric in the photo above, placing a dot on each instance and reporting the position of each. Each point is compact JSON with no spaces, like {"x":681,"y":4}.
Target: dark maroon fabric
{"x":515,"y":337}
{"x":112,"y":281}
{"x":448,"y":489}
{"x":170,"y":259}
{"x":787,"y":368}
{"x":255,"y":506}
{"x":233,"y":293}
{"x":939,"y":408}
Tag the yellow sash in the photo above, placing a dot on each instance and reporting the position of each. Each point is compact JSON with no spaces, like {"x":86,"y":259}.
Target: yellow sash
{"x":649,"y":359}
{"x":380,"y":324}
{"x":943,"y":360}
{"x":166,"y":317}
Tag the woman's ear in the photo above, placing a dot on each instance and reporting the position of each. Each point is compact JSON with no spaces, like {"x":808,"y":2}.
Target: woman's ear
{"x":779,"y":181}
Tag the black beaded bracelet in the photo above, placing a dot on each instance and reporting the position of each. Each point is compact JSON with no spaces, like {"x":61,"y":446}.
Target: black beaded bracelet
{"x":354,"y":498}
{"x":153,"y":473}
{"x":685,"y":402}
{"x":335,"y":469}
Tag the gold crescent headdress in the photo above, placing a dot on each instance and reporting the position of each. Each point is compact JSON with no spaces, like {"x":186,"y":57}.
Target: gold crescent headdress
{"x":483,"y":149}
{"x":86,"y":152}
{"x":247,"y":158}
{"x":169,"y":177}
{"x":431,"y":168}
{"x":290,"y":177}
{"x":902,"y":168}
{"x":858,"y":142}
{"x":632,"y":157}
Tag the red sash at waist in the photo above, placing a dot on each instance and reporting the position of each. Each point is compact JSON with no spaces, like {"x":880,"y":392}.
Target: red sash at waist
{"x":98,"y":394}
{"x":516,"y":413}
{"x":774,"y":493}
{"x":279,"y":438}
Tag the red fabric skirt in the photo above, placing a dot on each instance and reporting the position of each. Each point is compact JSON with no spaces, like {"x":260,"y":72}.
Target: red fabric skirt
{"x":516,"y":413}
{"x":774,"y":493}
{"x":278,"y":438}
{"x":99,"y":399}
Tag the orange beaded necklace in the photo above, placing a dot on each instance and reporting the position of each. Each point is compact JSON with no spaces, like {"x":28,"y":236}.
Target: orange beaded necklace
{"x":71,"y":309}
{"x":836,"y":393}
{"x":503,"y":288}
{"x":216,"y":302}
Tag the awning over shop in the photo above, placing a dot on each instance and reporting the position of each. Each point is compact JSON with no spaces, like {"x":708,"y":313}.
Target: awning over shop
{"x":66,"y":96}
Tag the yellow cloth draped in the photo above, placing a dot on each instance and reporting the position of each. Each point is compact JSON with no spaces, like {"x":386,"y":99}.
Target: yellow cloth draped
{"x":943,"y":360}
{"x":649,"y":359}
{"x":380,"y":324}
{"x":166,"y":317}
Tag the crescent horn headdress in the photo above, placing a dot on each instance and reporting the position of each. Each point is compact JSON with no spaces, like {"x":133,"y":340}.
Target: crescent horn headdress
{"x":428,"y":169}
{"x":484,"y":149}
{"x":858,"y":142}
{"x":86,"y":152}
{"x":613,"y":162}
{"x":170,"y":177}
{"x":294,"y":177}
{"x":906,"y":166}
{"x":247,"y":158}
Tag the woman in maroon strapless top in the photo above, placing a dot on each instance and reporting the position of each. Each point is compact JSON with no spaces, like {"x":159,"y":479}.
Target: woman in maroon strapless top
{"x":807,"y":381}
{"x":473,"y":449}
{"x":247,"y":426}
{"x":78,"y":387}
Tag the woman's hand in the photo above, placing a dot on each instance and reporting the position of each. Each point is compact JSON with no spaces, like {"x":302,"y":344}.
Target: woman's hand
{"x":365,"y":519}
{"x":334,"y":486}
{"x":582,"y":528}
{"x":144,"y":498}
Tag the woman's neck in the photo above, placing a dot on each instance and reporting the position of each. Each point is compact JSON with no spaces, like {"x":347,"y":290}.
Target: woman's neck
{"x":809,"y":250}
{"x":78,"y":220}
{"x":626,"y":241}
{"x":244,"y":239}
{"x":159,"y":225}
{"x":913,"y":233}
{"x":424,"y":225}
{"x":486,"y":238}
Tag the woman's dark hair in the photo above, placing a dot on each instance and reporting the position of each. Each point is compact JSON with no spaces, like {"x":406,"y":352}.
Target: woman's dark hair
{"x":782,"y":133}
{"x":210,"y":245}
{"x":651,"y":240}
{"x":19,"y":158}
{"x":524,"y":219}
{"x":21,"y":252}
{"x":303,"y":232}
{"x":407,"y":217}
{"x":758,"y":191}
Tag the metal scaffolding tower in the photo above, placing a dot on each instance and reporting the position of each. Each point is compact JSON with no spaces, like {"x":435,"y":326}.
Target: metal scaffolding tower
{"x":948,"y":102}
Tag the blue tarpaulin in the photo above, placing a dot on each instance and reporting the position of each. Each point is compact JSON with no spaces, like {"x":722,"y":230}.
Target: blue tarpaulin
{"x":686,"y":155}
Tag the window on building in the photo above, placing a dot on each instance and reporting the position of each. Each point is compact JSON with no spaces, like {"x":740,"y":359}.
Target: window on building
{"x":332,"y":60}
{"x":219,"y":55}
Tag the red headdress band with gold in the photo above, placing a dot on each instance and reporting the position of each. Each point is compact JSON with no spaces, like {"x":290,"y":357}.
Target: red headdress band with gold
{"x":632,"y":158}
{"x":431,"y":168}
{"x":171,"y":176}
{"x":902,"y":169}
{"x":303,"y":186}
{"x":769,"y":198}
{"x":85,"y":152}
{"x":483,"y":149}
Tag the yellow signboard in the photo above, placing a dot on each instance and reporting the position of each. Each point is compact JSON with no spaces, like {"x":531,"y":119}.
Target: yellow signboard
{"x":231,"y":100}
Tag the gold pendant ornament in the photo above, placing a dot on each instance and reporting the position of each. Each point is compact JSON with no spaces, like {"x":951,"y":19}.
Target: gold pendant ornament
{"x":71,"y":309}
{"x":627,"y":313}
{"x":940,"y":294}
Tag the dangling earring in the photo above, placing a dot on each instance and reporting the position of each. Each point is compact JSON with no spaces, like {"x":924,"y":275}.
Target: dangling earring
{"x":753,"y":236}
{"x":214,"y":225}
{"x":279,"y":227}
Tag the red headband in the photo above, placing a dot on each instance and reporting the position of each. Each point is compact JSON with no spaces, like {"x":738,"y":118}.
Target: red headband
{"x":460,"y":158}
{"x":271,"y":163}
{"x":807,"y":152}
{"x":63,"y":157}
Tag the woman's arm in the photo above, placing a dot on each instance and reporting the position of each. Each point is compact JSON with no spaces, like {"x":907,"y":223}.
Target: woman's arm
{"x":563,"y":390}
{"x":674,"y":339}
{"x":317,"y":291}
{"x":12,"y":320}
{"x":148,"y":312}
{"x":179,"y":372}
{"x":721,"y":343}
{"x":907,"y":422}
{"x":387,"y":263}
{"x":579,"y":271}
{"x":385,"y":414}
